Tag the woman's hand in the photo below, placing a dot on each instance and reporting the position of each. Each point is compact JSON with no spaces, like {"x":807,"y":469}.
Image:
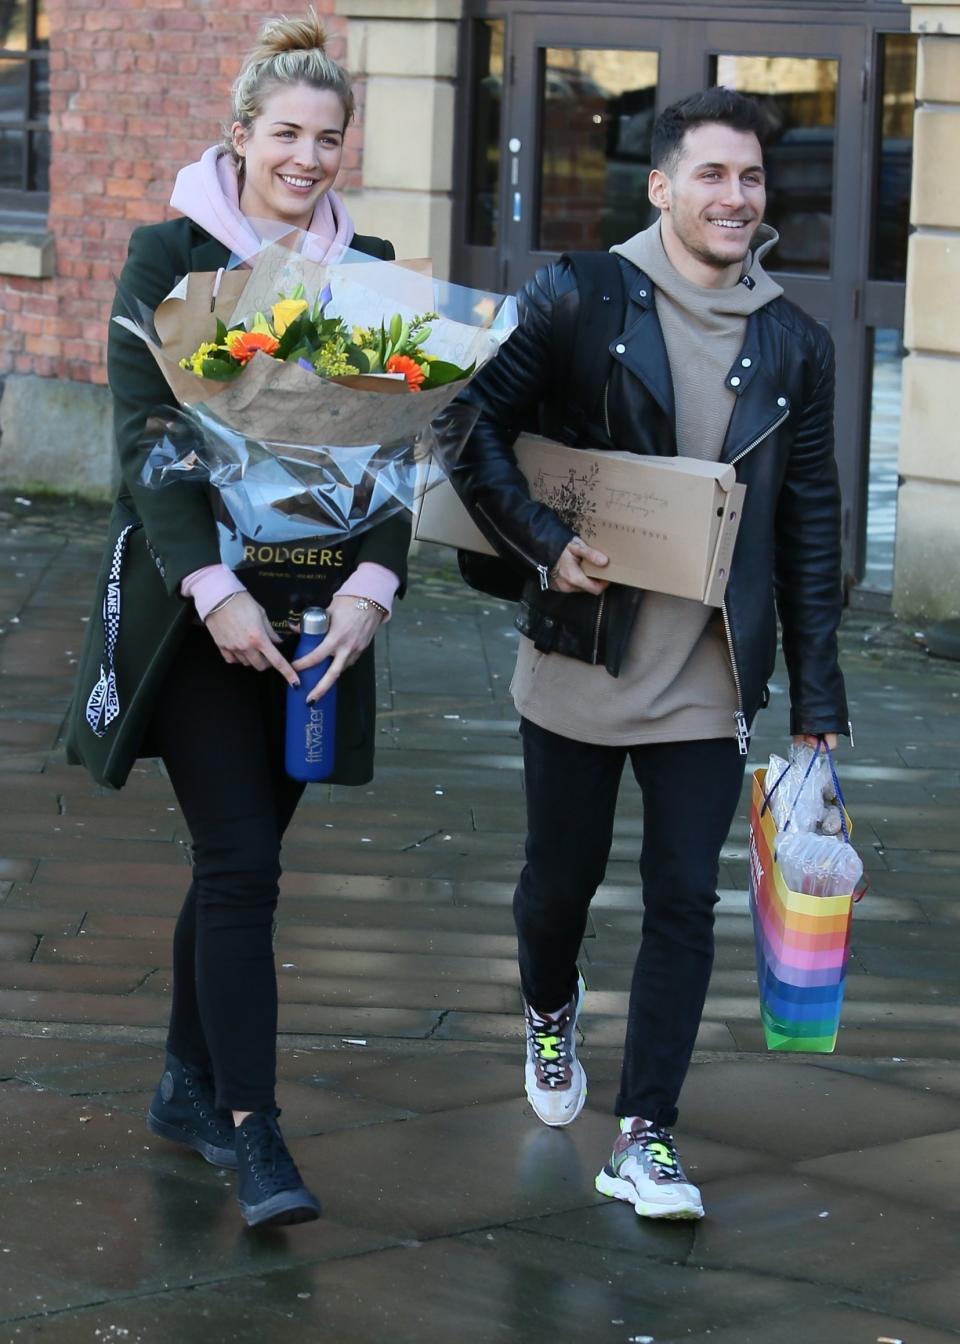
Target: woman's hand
{"x":351,"y":630}
{"x":243,"y":634}
{"x":568,"y":576}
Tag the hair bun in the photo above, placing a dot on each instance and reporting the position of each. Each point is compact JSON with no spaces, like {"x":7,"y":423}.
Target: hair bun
{"x":283,"y":34}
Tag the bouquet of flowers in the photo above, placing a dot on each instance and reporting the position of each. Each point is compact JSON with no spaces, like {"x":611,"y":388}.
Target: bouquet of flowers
{"x":296,"y":332}
{"x":295,"y":383}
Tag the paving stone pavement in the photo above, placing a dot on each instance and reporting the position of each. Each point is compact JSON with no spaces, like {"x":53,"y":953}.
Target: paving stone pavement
{"x":832,"y":1183}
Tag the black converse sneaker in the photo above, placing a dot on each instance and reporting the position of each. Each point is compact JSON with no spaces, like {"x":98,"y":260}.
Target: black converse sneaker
{"x":271,"y":1190}
{"x":555,"y":1081}
{"x":645,"y":1171}
{"x":184,"y":1110}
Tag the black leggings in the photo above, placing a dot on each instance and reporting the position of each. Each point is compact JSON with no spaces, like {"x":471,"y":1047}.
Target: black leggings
{"x":690,"y":794}
{"x":219,"y":729}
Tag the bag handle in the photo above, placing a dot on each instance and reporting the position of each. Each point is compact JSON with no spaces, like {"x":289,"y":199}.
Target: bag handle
{"x":103,"y":703}
{"x":822,"y":741}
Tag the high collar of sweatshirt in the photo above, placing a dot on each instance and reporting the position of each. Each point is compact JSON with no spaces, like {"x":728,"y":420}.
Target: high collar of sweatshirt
{"x":645,"y":250}
{"x":208,"y":193}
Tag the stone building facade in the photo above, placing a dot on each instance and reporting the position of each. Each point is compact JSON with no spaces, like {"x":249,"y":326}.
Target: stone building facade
{"x":927,"y":569}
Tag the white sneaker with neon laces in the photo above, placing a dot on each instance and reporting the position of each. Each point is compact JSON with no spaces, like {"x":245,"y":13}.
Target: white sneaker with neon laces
{"x":646,"y":1172}
{"x":555,"y":1081}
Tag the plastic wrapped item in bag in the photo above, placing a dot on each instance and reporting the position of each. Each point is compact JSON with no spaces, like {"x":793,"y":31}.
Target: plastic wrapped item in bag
{"x":777,"y":792}
{"x":832,"y":821}
{"x":800,"y":789}
{"x":805,"y":784}
{"x":818,"y":865}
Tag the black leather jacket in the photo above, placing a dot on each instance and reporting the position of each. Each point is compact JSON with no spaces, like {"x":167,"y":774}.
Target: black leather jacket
{"x":780,"y":435}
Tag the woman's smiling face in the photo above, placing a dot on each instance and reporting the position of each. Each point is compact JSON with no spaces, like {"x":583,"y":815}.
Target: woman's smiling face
{"x":291,"y":153}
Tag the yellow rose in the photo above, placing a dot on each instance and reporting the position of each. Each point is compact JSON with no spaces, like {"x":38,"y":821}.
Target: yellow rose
{"x":285,"y":312}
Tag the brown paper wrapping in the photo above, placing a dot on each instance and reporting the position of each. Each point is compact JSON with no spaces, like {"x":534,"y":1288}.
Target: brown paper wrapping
{"x":276,"y":402}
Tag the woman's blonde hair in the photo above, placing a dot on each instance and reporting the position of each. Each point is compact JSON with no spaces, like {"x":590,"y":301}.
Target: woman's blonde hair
{"x":288,"y":51}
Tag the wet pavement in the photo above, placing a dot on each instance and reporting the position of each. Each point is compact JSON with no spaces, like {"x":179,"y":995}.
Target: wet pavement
{"x":832,"y":1183}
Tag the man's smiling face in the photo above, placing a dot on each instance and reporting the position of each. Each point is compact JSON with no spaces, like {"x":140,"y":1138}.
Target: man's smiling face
{"x":712,"y":200}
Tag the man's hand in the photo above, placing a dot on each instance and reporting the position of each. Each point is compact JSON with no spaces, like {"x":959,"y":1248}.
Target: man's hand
{"x":806,"y":740}
{"x":351,"y":630}
{"x":568,"y":575}
{"x":243,"y":634}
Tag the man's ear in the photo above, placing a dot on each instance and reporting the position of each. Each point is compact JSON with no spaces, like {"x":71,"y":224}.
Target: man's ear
{"x":658,"y":189}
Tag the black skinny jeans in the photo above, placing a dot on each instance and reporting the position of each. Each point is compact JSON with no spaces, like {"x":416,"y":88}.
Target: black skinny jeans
{"x":219,"y":728}
{"x":690,"y":793}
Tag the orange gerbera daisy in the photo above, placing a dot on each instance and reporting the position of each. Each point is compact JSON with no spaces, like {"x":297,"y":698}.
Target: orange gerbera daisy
{"x":410,"y":369}
{"x":243,"y":345}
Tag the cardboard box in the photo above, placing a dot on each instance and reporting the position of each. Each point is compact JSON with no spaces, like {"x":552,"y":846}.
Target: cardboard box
{"x":667,"y":523}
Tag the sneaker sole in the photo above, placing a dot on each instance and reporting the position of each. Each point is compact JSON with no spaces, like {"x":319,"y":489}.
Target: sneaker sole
{"x":559,"y":1124}
{"x":289,"y":1206}
{"x":217,"y":1157}
{"x":610,"y":1185}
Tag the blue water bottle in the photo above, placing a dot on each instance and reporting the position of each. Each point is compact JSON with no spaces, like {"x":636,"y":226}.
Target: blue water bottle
{"x":311,"y":729}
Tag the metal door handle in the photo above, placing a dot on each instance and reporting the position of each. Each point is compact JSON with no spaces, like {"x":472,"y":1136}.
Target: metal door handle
{"x":515,"y":145}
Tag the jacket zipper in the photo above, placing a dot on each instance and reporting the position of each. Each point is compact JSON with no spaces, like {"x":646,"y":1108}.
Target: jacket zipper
{"x":603,"y":595}
{"x":765,"y":435}
{"x":739,"y":718}
{"x":596,"y":628}
{"x":542,"y":570}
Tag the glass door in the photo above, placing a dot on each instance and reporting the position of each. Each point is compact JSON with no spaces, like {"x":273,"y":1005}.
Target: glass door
{"x":577,"y":142}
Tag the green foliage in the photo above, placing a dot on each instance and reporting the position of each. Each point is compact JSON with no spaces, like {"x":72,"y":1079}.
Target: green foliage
{"x":439,"y":373}
{"x":220,"y":369}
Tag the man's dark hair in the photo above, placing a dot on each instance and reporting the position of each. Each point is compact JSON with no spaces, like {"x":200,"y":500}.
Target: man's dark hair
{"x":723,"y":106}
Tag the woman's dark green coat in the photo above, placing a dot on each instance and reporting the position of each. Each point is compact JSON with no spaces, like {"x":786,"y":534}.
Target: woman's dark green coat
{"x":178,"y":536}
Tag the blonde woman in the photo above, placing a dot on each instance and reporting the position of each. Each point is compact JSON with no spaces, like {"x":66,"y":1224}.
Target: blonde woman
{"x":201,"y":670}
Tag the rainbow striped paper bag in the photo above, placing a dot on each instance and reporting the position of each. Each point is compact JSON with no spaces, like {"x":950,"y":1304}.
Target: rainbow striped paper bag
{"x":802,"y":945}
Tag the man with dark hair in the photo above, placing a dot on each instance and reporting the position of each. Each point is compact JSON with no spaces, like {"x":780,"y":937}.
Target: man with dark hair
{"x":699,"y":355}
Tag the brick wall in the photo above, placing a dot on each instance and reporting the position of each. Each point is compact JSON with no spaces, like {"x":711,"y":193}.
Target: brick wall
{"x":138,"y":89}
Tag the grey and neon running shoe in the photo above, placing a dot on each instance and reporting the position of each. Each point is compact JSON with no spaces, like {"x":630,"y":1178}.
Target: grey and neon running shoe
{"x":555,"y":1081}
{"x":646,"y":1172}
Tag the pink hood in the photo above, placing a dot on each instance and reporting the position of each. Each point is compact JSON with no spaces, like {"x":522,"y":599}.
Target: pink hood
{"x":207,"y":192}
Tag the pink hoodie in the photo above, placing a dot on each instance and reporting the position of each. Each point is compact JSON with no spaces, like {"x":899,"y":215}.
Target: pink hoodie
{"x":208,"y":193}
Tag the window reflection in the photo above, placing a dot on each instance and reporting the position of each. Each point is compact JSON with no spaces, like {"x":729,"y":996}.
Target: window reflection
{"x":484,"y":188}
{"x":11,"y":157}
{"x":894,"y":162}
{"x":13,"y":92}
{"x":13,"y":24}
{"x":885,"y":398}
{"x":597,"y":112}
{"x":24,"y":98}
{"x":800,"y":97}
{"x":39,"y":163}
